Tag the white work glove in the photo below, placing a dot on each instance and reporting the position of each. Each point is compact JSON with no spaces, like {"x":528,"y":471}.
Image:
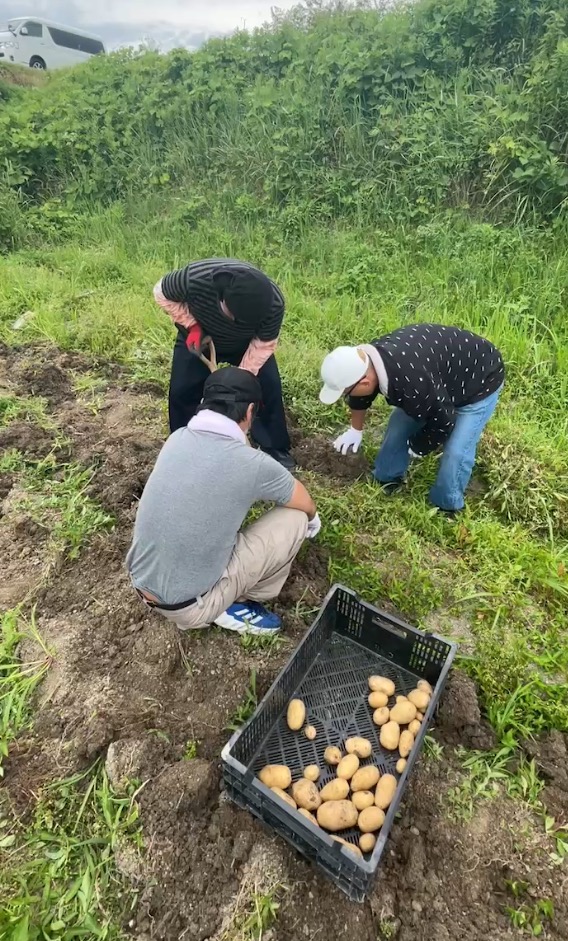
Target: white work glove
{"x":349,"y":439}
{"x":314,"y":527}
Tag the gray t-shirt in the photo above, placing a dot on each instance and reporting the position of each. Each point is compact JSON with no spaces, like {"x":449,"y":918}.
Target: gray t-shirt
{"x":194,"y":503}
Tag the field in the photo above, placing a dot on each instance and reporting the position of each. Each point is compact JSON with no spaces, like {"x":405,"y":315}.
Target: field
{"x":113,"y":821}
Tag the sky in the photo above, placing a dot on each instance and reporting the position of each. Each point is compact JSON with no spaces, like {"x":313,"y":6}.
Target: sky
{"x":168,"y":22}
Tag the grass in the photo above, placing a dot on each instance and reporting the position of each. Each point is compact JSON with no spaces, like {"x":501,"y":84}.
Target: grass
{"x":17,"y":680}
{"x":255,"y":911}
{"x":503,"y":567}
{"x":57,"y":498}
{"x":190,"y":750}
{"x":252,"y":642}
{"x":243,"y":713}
{"x":23,"y":408}
{"x":502,"y":570}
{"x":57,"y":875}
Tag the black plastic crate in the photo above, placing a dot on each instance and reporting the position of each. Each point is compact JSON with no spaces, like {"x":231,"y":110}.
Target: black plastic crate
{"x":349,"y":641}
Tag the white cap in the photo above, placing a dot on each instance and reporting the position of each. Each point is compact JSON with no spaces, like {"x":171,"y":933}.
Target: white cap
{"x":340,"y":370}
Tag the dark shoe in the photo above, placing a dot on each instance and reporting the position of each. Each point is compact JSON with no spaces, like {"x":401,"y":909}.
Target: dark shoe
{"x":451,"y":516}
{"x":283,"y":457}
{"x":390,"y":486}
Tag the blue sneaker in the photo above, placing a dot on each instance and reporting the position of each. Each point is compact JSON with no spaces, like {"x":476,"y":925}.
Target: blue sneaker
{"x":249,"y":617}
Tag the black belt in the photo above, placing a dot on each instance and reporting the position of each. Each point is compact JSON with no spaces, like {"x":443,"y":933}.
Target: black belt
{"x":166,"y":607}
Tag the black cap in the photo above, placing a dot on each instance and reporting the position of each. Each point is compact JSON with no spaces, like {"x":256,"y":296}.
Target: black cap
{"x":231,"y":384}
{"x":247,"y":292}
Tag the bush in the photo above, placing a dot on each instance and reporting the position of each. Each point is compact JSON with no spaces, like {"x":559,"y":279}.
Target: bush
{"x":12,"y":220}
{"x":353,"y":112}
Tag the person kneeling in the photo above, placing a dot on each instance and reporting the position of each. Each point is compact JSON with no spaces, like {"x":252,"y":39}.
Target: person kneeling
{"x":189,"y":558}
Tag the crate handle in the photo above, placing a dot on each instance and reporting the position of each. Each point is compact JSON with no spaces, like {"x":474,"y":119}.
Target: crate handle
{"x":399,"y":631}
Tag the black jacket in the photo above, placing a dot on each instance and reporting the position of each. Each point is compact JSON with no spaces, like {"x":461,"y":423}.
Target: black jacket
{"x":196,"y":285}
{"x":433,"y":370}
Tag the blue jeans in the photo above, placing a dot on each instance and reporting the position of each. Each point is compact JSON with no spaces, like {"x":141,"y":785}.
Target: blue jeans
{"x":457,"y":459}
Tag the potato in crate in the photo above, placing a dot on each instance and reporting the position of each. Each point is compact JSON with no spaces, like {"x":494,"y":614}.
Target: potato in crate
{"x":325,"y":758}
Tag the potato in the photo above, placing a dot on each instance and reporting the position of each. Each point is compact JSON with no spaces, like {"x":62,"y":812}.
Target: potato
{"x":347,"y":767}
{"x":414,"y":726}
{"x":420,"y":716}
{"x":403,"y":713}
{"x":370,"y":819}
{"x":365,"y":778}
{"x":367,"y":843}
{"x":405,"y":744}
{"x":401,"y":765}
{"x":276,"y":776}
{"x":332,"y":755}
{"x":310,"y":732}
{"x":358,"y":746}
{"x":348,"y":846}
{"x":336,"y":790}
{"x":386,"y":789}
{"x":285,"y":797}
{"x":296,"y":715}
{"x":305,"y":813}
{"x":381,"y":683}
{"x":382,"y":715}
{"x":378,"y":699}
{"x":424,"y":685}
{"x":420,"y":698}
{"x":306,"y":794}
{"x":337,"y":815}
{"x":402,"y":698}
{"x":363,"y":799}
{"x":311,"y":773}
{"x":390,"y":735}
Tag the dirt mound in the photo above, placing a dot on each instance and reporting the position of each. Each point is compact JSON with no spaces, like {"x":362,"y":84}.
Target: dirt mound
{"x":308,"y":581}
{"x":316,"y":453}
{"x":459,"y":719}
{"x":32,"y":440}
{"x":550,"y":753}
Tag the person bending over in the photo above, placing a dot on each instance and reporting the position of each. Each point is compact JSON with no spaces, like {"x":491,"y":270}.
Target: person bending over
{"x":444,"y":384}
{"x":241,"y":310}
{"x":190,"y":559}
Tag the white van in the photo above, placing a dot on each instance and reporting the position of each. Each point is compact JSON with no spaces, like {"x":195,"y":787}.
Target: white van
{"x":42,"y":44}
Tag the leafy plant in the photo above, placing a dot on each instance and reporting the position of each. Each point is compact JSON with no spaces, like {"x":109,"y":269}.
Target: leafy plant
{"x":247,"y":707}
{"x":532,"y":918}
{"x":57,"y":877}
{"x":18,"y":680}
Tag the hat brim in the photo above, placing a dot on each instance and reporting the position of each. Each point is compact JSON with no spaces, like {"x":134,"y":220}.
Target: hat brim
{"x":329,"y":396}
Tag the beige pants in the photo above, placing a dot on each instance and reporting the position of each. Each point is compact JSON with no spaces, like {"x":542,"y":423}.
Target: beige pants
{"x":259,"y":566}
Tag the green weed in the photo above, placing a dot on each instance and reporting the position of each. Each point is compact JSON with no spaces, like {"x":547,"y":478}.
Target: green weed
{"x":190,"y":750}
{"x":11,"y":461}
{"x":387,"y":930}
{"x":252,"y":642}
{"x":57,"y":498}
{"x":488,"y":774}
{"x":433,"y":749}
{"x":559,"y":836}
{"x":17,"y":680}
{"x":255,"y":912}
{"x":532,"y":918}
{"x":90,"y":391}
{"x":247,"y":707}
{"x":57,"y":878}
{"x":14,"y":407}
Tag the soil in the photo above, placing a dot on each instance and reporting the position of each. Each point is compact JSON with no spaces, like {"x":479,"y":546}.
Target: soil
{"x":316,"y":453}
{"x":125,"y":685}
